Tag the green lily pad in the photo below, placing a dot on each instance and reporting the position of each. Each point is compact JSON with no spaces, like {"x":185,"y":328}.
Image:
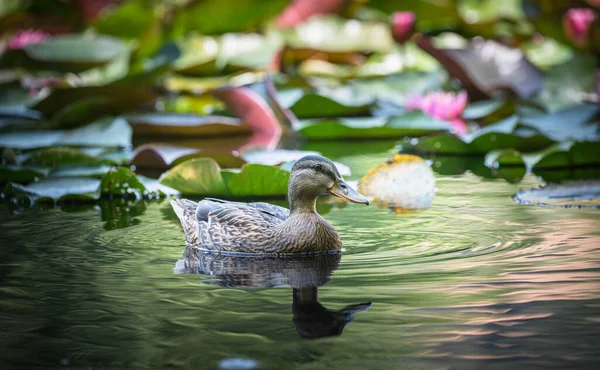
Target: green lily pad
{"x":197,"y":176}
{"x":109,"y":132}
{"x":315,"y":105}
{"x":61,"y":156}
{"x":574,"y":123}
{"x":222,"y":16}
{"x":75,"y":53}
{"x":409,"y":124}
{"x":256,"y":180}
{"x":117,"y":182}
{"x":173,"y":124}
{"x":80,"y":171}
{"x":73,"y":188}
{"x":203,"y":176}
{"x":21,"y":174}
{"x":70,"y":107}
{"x":501,"y":135}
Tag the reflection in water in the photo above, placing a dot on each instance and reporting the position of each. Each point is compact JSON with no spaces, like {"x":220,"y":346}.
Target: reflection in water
{"x":473,"y":282}
{"x":305,"y":274}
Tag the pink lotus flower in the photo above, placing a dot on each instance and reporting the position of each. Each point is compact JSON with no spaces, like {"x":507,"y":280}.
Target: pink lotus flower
{"x":27,"y":37}
{"x":577,"y":25}
{"x":443,"y":105}
{"x":403,"y":24}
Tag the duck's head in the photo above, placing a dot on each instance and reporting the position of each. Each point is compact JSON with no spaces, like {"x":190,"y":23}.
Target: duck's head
{"x":313,"y":176}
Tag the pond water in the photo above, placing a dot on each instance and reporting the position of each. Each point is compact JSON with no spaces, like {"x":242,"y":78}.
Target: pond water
{"x":475,"y":281}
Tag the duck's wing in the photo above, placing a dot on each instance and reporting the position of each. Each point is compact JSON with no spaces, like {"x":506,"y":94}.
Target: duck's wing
{"x":281,"y":213}
{"x":237,"y":227}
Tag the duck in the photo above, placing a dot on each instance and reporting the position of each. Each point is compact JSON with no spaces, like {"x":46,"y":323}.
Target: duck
{"x":215,"y":225}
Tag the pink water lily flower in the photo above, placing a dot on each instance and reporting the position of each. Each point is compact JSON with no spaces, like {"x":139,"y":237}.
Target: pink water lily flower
{"x":403,"y":24}
{"x":26,"y":37}
{"x":447,"y":106}
{"x":577,"y":25}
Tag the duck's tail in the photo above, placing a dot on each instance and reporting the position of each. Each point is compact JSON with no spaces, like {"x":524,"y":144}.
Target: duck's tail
{"x":186,"y":211}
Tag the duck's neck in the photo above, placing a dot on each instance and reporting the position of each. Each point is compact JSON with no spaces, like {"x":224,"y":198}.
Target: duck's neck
{"x":301,"y":202}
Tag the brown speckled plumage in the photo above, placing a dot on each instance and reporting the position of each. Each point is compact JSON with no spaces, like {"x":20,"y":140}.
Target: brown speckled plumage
{"x":218,"y":225}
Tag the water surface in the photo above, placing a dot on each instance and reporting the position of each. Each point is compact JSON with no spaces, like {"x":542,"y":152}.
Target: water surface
{"x":475,"y":281}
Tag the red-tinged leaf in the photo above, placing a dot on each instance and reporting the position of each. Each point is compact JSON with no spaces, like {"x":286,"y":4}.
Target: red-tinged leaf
{"x":255,"y":112}
{"x":163,"y":156}
{"x":299,"y":10}
{"x":285,"y":115}
{"x":486,"y":67}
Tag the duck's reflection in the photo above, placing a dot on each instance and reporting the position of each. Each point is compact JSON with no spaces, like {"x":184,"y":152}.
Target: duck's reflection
{"x":304,"y":274}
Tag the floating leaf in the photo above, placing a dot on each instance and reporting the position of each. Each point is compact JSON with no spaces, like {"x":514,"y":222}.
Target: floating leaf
{"x":164,"y":156}
{"x":61,"y":156}
{"x":80,"y":171}
{"x":21,"y":174}
{"x":501,"y":135}
{"x":197,"y":176}
{"x":110,"y":132}
{"x":203,"y":176}
{"x":75,"y":53}
{"x":576,"y":123}
{"x":317,"y":105}
{"x":77,"y":106}
{"x":575,"y":194}
{"x":409,"y":124}
{"x":221,"y":16}
{"x":72,"y":188}
{"x":256,"y":180}
{"x":174,"y":124}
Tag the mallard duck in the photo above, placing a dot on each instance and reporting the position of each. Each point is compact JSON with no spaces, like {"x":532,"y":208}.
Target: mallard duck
{"x":224,"y":226}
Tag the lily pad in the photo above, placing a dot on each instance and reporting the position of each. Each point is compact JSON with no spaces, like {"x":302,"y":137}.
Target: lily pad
{"x":22,"y":175}
{"x":256,"y":180}
{"x":316,"y":105}
{"x":580,"y":194}
{"x":109,"y":132}
{"x":75,"y":53}
{"x":501,"y":135}
{"x":409,"y":124}
{"x":222,"y":16}
{"x":77,"y":106}
{"x":118,"y":182}
{"x":174,"y":124}
{"x":200,"y":176}
{"x":61,"y":156}
{"x":203,"y":176}
{"x":164,"y":156}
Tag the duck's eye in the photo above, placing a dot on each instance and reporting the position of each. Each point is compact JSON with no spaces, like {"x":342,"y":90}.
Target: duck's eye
{"x":318,"y":167}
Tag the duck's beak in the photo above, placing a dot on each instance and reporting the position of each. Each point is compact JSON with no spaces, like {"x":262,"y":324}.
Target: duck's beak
{"x":342,"y":190}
